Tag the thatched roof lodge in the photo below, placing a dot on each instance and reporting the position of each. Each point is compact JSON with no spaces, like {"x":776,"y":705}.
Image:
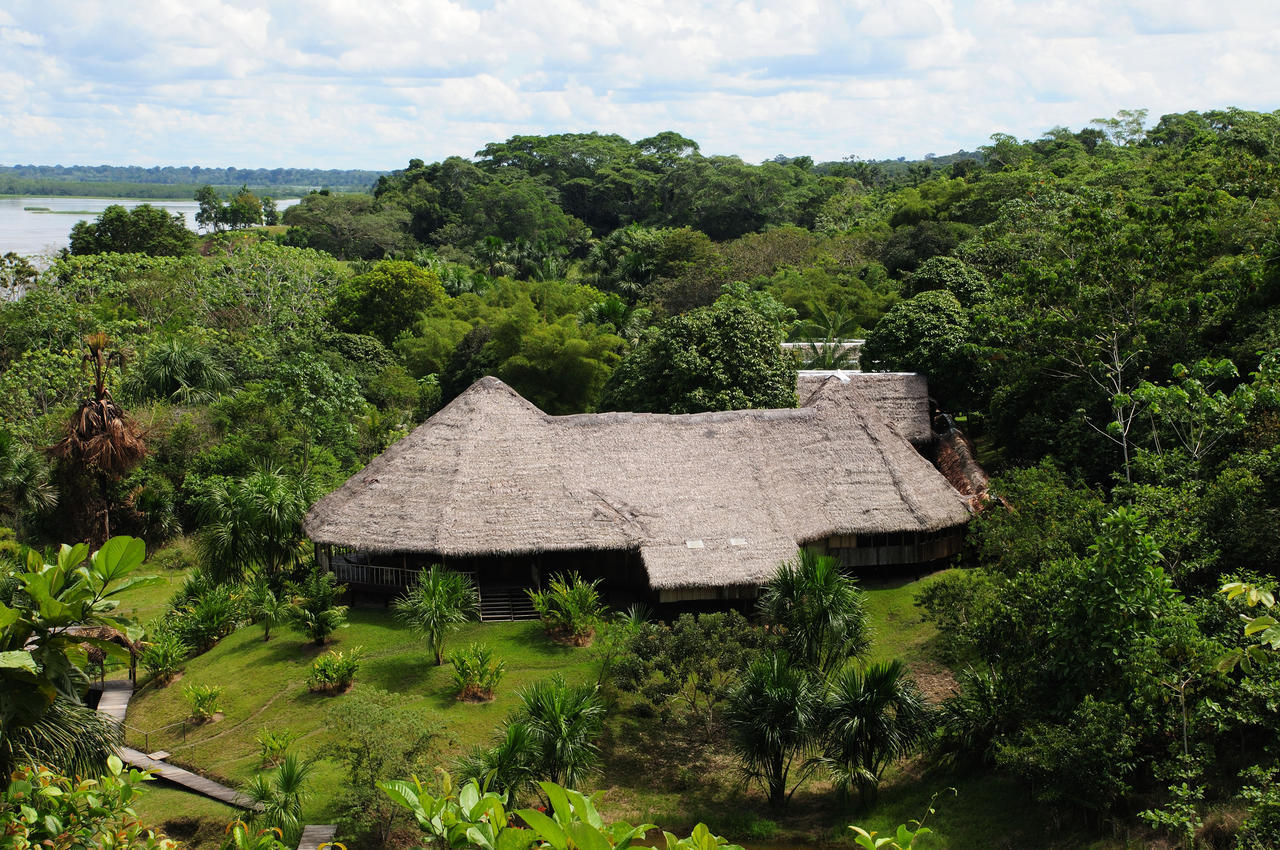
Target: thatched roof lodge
{"x":698,"y":506}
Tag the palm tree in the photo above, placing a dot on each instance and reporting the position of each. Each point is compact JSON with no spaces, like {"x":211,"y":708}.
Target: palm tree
{"x":25,"y":483}
{"x":825,"y":332}
{"x":181,"y":370}
{"x":69,"y":737}
{"x":873,"y":717}
{"x":266,"y":607}
{"x":254,"y":525}
{"x":315,"y":610}
{"x":439,"y":603}
{"x":102,"y":442}
{"x":773,"y":718}
{"x":563,"y":723}
{"x":508,"y":767}
{"x":819,"y":612}
{"x":280,"y":793}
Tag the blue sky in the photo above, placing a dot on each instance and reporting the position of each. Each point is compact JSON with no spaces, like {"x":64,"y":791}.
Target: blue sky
{"x":371,"y":83}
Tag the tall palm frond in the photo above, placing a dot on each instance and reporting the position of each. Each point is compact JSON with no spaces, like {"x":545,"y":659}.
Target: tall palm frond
{"x":69,"y":737}
{"x":819,"y":611}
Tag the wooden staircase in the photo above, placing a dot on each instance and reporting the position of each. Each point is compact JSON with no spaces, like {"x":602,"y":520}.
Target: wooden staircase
{"x":504,"y":602}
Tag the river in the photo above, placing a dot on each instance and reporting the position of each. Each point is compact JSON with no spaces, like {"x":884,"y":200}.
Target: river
{"x":36,"y":227}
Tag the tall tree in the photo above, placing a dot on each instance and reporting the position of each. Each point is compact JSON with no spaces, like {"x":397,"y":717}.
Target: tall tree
{"x":101,"y":443}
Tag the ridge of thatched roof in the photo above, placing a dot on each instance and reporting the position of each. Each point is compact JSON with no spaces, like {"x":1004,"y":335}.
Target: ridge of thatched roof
{"x":707,"y":499}
{"x":903,"y":397}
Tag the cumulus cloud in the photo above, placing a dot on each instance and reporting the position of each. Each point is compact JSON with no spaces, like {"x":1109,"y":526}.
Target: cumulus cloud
{"x":371,"y":83}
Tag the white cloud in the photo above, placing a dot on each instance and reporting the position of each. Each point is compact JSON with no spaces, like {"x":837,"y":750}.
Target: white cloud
{"x":362,"y":83}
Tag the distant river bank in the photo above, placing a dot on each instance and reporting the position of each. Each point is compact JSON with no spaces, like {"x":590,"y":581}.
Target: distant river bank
{"x":33,"y":226}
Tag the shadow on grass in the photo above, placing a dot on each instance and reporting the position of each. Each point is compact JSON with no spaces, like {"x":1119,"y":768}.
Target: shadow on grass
{"x":401,"y":673}
{"x":283,"y":648}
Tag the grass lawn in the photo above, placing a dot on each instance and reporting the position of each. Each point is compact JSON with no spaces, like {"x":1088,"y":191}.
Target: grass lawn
{"x":653,"y":771}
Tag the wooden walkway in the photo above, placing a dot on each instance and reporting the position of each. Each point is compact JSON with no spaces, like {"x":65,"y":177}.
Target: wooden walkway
{"x":115,"y":699}
{"x":314,"y":836}
{"x":115,"y":704}
{"x":187,"y":779}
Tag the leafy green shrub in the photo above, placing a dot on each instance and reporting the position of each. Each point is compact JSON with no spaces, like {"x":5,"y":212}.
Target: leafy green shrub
{"x":196,"y":584}
{"x":476,"y":673}
{"x":483,"y":818}
{"x":178,"y":556}
{"x":40,"y":808}
{"x":274,"y":744}
{"x":688,"y":667}
{"x":162,"y":656}
{"x":1261,"y":828}
{"x":569,"y":608}
{"x":203,"y":700}
{"x":1085,"y":762}
{"x":367,"y":754}
{"x":212,"y":615}
{"x":334,"y":672}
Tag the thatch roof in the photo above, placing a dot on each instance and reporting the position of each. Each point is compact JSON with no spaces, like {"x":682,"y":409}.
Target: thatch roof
{"x":708,"y":499}
{"x":903,"y":397}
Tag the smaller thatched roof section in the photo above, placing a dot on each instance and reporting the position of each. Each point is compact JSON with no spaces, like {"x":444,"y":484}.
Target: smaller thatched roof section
{"x":902,"y":397}
{"x":708,"y":499}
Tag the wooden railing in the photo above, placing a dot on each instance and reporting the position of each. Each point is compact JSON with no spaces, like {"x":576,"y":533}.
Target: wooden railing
{"x":372,"y":575}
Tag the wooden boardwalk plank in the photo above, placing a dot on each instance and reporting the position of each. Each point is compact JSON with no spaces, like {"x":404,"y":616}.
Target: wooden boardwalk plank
{"x":187,"y":779}
{"x":115,"y":699}
{"x":315,"y":835}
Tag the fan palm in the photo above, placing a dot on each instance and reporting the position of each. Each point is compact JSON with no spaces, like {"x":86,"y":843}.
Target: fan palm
{"x":255,"y":525}
{"x":563,"y":723}
{"x":69,"y":737}
{"x":182,"y":370}
{"x":440,"y":602}
{"x":819,"y":611}
{"x":873,"y":717}
{"x":25,"y":482}
{"x":772,"y":719}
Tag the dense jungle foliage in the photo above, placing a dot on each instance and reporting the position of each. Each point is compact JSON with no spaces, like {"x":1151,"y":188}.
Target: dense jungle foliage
{"x":1098,"y":309}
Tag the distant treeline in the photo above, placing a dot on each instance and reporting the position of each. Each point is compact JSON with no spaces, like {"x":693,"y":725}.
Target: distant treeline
{"x":145,"y":191}
{"x":176,"y":177}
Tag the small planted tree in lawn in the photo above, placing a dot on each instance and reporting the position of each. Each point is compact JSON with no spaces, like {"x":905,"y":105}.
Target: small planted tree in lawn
{"x":569,"y":608}
{"x":266,"y":607}
{"x":872,"y":718}
{"x":773,"y":721}
{"x":439,"y":603}
{"x":315,"y":610}
{"x":280,"y":792}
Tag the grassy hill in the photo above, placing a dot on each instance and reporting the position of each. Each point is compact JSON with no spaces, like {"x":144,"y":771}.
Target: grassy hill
{"x":652,"y":771}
